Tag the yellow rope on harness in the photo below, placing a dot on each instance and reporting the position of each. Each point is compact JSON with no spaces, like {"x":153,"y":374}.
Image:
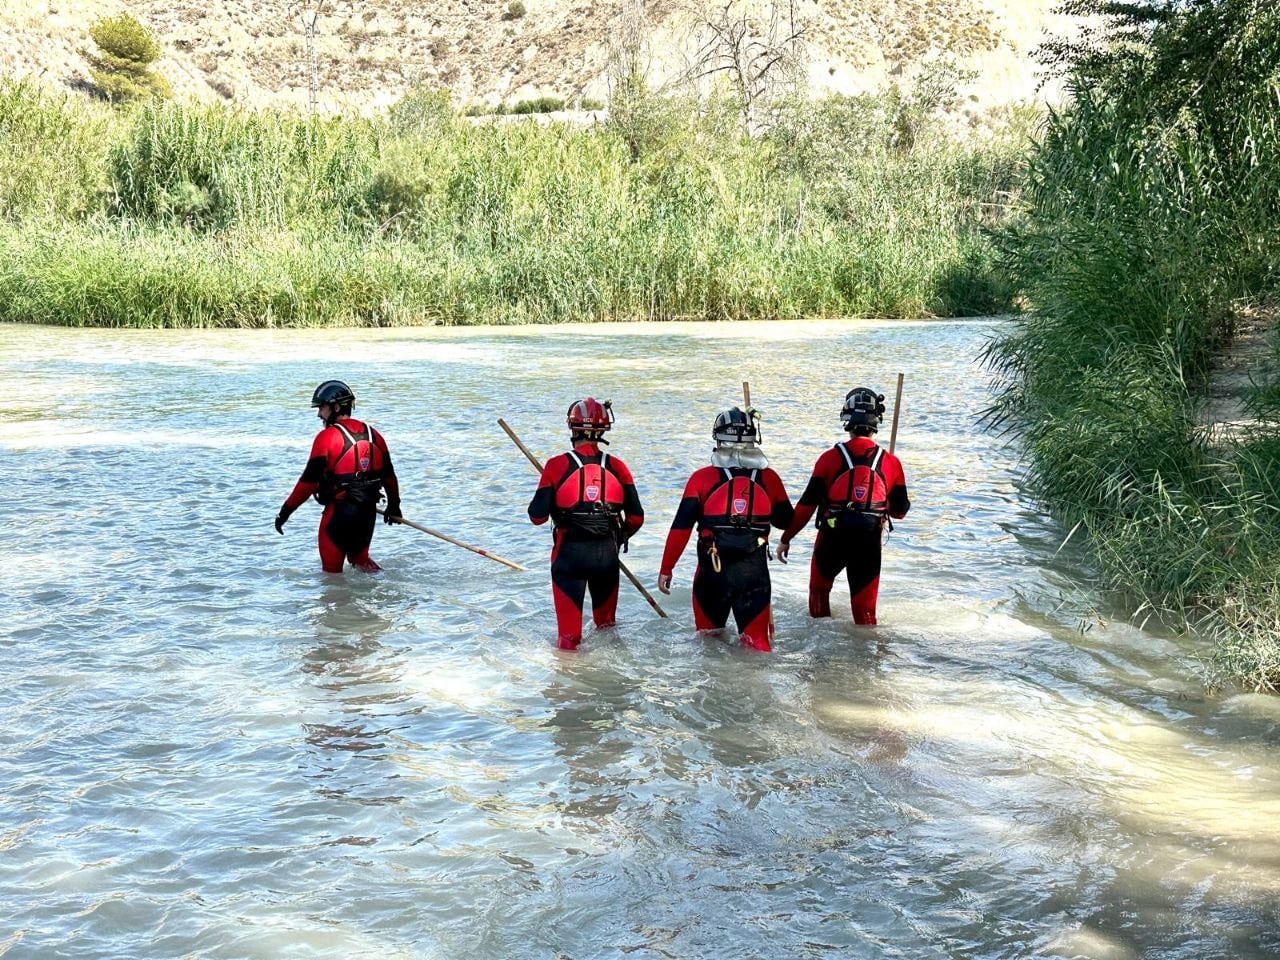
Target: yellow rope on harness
{"x":715,"y":558}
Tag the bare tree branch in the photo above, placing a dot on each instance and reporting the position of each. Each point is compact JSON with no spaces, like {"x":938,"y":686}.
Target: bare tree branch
{"x":758,"y":46}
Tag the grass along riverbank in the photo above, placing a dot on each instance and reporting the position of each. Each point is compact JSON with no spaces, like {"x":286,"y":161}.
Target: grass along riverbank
{"x":186,"y":215}
{"x":1151,"y":232}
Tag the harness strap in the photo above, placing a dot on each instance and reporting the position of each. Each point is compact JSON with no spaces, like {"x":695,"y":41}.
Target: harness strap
{"x":875,"y":472}
{"x":350,"y":437}
{"x":844,"y":452}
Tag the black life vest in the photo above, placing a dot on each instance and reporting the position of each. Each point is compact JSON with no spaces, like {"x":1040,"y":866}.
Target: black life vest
{"x":858,"y":496}
{"x":588,"y":500}
{"x":736,"y":515}
{"x":356,"y":476}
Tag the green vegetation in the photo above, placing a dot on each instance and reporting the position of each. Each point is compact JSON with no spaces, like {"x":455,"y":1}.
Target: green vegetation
{"x":122,"y":64}
{"x":519,"y":108}
{"x":1152,"y":224}
{"x":179,"y":214}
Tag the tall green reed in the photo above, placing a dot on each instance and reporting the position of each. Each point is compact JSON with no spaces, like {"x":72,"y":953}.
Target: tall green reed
{"x":1150,"y":216}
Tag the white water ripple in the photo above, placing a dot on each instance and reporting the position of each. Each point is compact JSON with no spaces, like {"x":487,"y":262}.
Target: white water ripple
{"x":209,"y":748}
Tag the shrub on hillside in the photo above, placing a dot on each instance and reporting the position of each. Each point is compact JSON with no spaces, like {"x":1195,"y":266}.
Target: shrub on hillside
{"x":121,"y":67}
{"x":423,"y":110}
{"x":515,"y":10}
{"x":537,"y":105}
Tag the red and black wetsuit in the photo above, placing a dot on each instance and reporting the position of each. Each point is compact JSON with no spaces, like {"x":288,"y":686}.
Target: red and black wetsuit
{"x":733,"y":509}
{"x":855,"y":487}
{"x":592,"y":498}
{"x":349,"y":465}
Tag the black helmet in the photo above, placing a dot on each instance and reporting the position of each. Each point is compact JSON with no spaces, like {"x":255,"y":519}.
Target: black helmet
{"x":333,"y":392}
{"x":737,"y":426}
{"x":863,"y":408}
{"x":337,"y":395}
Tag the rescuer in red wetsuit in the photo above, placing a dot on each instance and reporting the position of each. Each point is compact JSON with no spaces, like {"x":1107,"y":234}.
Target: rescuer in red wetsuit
{"x":349,"y":466}
{"x":592,"y":499}
{"x":733,"y":501}
{"x":855,"y":488}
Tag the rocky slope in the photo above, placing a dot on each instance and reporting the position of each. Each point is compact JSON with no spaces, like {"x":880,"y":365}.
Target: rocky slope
{"x":370,"y":52}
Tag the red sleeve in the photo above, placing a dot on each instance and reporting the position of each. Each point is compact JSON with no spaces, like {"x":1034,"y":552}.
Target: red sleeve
{"x":544,"y":497}
{"x":896,"y":482}
{"x":633,"y":512}
{"x":688,"y":513}
{"x":815,"y":493}
{"x":309,"y":482}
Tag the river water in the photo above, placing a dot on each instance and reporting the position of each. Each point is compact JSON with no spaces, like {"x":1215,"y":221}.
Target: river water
{"x":209,"y":748}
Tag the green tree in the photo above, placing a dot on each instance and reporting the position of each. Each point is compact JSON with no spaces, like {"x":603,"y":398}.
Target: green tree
{"x":121,"y":66}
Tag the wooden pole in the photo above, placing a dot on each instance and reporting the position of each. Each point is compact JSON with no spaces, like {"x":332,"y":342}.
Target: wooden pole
{"x":897,"y":406}
{"x":458,"y":543}
{"x":537,"y":465}
{"x":746,"y":398}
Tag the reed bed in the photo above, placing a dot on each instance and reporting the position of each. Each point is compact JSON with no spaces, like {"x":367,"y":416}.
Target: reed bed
{"x":177,"y":214}
{"x":1150,"y":223}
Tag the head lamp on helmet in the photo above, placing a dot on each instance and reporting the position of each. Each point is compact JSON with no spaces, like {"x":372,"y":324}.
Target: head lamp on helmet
{"x":862,"y":410}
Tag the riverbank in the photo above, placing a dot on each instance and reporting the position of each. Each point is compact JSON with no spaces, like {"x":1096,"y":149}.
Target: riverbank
{"x":1148,"y":249}
{"x":183,"y":215}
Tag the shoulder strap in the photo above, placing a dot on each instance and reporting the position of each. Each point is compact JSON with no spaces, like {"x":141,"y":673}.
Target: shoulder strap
{"x":844,"y":452}
{"x":577,"y":460}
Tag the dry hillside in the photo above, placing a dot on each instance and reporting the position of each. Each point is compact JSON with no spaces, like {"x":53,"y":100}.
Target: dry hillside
{"x":370,"y":52}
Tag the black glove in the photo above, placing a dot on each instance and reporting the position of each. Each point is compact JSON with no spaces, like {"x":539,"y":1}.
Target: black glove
{"x":282,"y":518}
{"x":392,"y":514}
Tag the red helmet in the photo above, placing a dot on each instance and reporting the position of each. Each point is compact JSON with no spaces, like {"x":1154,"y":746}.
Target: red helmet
{"x":590,"y":414}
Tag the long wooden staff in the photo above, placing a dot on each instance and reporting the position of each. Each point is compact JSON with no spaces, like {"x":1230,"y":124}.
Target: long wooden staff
{"x":746,"y":399}
{"x":458,"y":543}
{"x":897,"y":405}
{"x":537,"y":465}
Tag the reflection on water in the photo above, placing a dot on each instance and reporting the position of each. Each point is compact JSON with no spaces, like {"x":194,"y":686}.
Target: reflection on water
{"x":211,"y":749}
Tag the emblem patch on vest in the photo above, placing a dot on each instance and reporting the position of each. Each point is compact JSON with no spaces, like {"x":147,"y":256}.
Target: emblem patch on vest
{"x":739,"y":505}
{"x":593,"y":492}
{"x":860,"y":493}
{"x":364,"y":463}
